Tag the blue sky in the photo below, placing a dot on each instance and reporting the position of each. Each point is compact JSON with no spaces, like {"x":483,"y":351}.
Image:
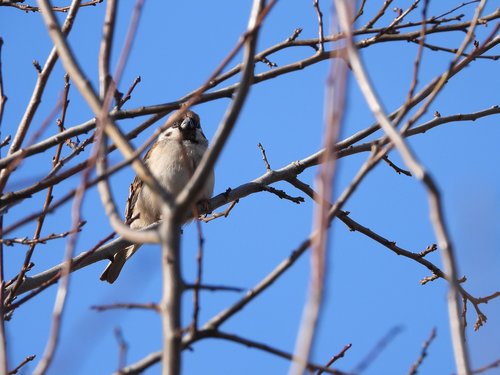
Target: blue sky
{"x":369,"y":290}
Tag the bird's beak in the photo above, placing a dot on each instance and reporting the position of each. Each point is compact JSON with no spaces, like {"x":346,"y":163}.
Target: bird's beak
{"x":188,"y":129}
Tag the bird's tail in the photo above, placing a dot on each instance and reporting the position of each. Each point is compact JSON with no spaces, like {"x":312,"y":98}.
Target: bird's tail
{"x":114,"y":267}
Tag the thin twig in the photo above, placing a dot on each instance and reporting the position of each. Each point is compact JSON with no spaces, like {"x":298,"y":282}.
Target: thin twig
{"x":214,"y":288}
{"x":3,"y":339}
{"x":321,"y":36}
{"x":395,"y":167}
{"x":3,"y":98}
{"x":155,"y":357}
{"x":6,"y":140}
{"x":434,"y":47}
{"x":139,"y":306}
{"x":335,"y":358}
{"x":128,"y":95}
{"x":283,"y":195}
{"x":18,"y":367}
{"x":456,"y":8}
{"x":398,"y":19}
{"x":48,"y":120}
{"x":122,"y":348}
{"x":377,"y":16}
{"x":361,"y":10}
{"x":264,"y":156}
{"x":377,"y":349}
{"x":199,"y":275}
{"x":269,"y":349}
{"x":425,"y":347}
{"x":485,"y":368}
{"x":428,"y":250}
{"x":106,"y":47}
{"x":418,"y":57}
{"x":456,"y":63}
{"x":224,"y":213}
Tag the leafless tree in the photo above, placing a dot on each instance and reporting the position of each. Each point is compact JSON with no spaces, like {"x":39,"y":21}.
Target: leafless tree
{"x":352,"y":30}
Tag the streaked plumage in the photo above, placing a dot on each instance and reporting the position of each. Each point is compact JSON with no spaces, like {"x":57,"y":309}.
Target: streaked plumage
{"x":172,"y":159}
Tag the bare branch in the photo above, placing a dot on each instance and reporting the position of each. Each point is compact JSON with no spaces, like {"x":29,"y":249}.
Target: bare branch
{"x":321,"y":36}
{"x":122,"y":348}
{"x":425,"y":347}
{"x":62,"y":291}
{"x":214,"y":288}
{"x":344,"y":148}
{"x":377,"y":349}
{"x":335,"y":96}
{"x":46,"y":204}
{"x":361,"y":10}
{"x":3,"y":98}
{"x":35,"y":100}
{"x":220,"y":137}
{"x":335,"y":358}
{"x":140,"y":306}
{"x":83,"y":85}
{"x":224,"y":213}
{"x":456,"y":8}
{"x":264,"y":156}
{"x":26,"y":360}
{"x":282,"y":195}
{"x":428,"y":250}
{"x":6,"y":140}
{"x":395,"y":167}
{"x":485,"y":368}
{"x":172,"y":281}
{"x":460,"y":347}
{"x":418,"y":58}
{"x":105,"y":49}
{"x":153,"y":358}
{"x":47,"y":278}
{"x":377,"y":16}
{"x":29,"y":8}
{"x":269,"y":349}
{"x":162,"y":109}
{"x":199,"y":275}
{"x":128,"y":95}
{"x":3,"y":341}
{"x":231,"y":83}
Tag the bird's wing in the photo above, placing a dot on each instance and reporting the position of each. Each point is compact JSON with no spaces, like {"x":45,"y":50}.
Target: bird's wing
{"x":133,"y":193}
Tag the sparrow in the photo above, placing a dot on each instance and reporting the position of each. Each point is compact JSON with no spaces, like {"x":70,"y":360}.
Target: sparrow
{"x":172,"y":159}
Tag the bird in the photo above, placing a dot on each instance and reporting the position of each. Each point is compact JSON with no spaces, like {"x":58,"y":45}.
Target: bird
{"x":172,"y":160}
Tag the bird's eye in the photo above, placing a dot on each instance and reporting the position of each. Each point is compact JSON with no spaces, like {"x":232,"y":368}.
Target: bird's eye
{"x":175,"y":125}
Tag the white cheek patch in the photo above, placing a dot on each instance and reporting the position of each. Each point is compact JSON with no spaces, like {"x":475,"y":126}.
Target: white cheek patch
{"x":171,"y":133}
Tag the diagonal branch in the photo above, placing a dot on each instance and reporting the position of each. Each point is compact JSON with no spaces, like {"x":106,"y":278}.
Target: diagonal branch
{"x":110,"y":128}
{"x":435,"y":203}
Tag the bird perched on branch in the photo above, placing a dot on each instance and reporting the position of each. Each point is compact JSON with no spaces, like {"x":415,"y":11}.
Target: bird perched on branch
{"x":172,"y":159}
